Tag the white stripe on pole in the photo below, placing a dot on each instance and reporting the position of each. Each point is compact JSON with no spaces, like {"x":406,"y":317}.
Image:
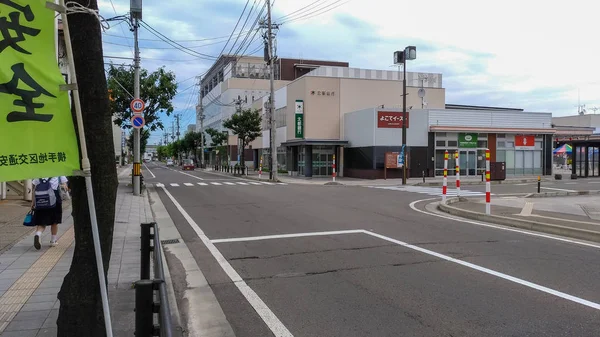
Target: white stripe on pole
{"x":445,"y":184}
{"x":457,"y":165}
{"x":488,"y":206}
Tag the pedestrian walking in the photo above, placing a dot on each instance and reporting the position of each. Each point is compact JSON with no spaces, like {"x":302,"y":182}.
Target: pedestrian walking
{"x":47,"y":203}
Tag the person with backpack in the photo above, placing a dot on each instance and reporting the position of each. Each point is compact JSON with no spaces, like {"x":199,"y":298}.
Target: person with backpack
{"x":47,"y":204}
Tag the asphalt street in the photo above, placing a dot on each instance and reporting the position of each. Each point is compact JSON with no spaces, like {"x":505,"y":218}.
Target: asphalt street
{"x":377,"y":267}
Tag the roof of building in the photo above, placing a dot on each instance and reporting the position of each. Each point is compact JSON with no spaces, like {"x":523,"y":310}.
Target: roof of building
{"x":479,"y":107}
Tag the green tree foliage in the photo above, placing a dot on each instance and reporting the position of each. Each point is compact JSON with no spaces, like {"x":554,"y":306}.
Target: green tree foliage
{"x":162,"y":151}
{"x":218,"y":142}
{"x":247,"y":126}
{"x":176,"y":148}
{"x":191,"y":143}
{"x":157,"y":89}
{"x":144,"y":136}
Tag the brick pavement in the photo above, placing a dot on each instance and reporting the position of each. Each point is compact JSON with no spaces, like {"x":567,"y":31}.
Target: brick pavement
{"x":31,"y":279}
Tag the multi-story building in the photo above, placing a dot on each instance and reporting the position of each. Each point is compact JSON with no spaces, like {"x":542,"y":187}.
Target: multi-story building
{"x":237,"y":82}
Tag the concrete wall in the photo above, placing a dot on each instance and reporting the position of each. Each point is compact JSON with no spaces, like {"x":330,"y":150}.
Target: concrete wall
{"x":359,"y":128}
{"x":488,"y":119}
{"x":578,"y":120}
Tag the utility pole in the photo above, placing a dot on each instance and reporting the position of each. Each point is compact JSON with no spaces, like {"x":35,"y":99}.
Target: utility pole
{"x":172,"y":131}
{"x":273,"y":144}
{"x":200,"y":116}
{"x":137,"y":188}
{"x":238,"y":109}
{"x":177,"y":118}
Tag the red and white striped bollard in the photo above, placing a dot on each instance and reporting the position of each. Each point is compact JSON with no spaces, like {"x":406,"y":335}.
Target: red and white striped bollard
{"x":488,"y":193}
{"x":445,"y":183}
{"x":456,"y":157}
{"x":260,"y":169}
{"x":333,"y":167}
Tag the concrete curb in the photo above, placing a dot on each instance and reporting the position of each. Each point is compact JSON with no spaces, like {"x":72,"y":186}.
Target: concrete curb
{"x":561,"y":194}
{"x":582,"y":234}
{"x":477,"y":182}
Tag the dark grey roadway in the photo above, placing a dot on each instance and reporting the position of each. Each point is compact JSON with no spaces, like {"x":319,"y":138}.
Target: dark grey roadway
{"x":359,"y":285}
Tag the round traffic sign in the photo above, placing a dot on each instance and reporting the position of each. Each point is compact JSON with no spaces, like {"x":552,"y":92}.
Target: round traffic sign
{"x":138,"y":122}
{"x":137,"y":105}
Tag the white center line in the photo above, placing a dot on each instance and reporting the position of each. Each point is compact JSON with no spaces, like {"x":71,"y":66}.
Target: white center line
{"x":175,"y":185}
{"x":153,"y":176}
{"x":188,"y":184}
{"x":215,"y":183}
{"x":286,"y":236}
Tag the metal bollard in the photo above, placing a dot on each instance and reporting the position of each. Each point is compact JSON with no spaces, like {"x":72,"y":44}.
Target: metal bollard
{"x":423,"y":175}
{"x":539,"y":184}
{"x":146,"y":237}
{"x":144,"y":308}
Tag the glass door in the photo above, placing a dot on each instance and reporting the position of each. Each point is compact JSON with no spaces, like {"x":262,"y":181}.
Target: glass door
{"x":462,"y":161}
{"x":468,"y":162}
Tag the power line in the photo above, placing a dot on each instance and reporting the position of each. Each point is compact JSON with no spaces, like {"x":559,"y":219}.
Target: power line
{"x":122,"y":30}
{"x":174,"y":44}
{"x":243,"y":26}
{"x":316,"y":12}
{"x":149,"y":58}
{"x":298,"y":10}
{"x":198,"y":46}
{"x":234,"y":28}
{"x":179,"y":41}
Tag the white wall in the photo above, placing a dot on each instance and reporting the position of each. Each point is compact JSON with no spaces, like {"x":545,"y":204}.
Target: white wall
{"x":496,"y":119}
{"x":359,"y":127}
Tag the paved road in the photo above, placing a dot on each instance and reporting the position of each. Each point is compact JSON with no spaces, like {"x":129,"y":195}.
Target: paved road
{"x":400,"y":273}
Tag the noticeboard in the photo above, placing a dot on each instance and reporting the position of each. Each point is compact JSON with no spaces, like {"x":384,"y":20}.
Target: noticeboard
{"x":391,"y":159}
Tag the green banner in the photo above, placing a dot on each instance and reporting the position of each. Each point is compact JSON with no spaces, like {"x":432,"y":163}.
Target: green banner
{"x":37,"y":134}
{"x":299,"y":125}
{"x":467,"y":140}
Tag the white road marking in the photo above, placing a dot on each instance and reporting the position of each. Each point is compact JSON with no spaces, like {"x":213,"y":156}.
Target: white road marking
{"x":175,"y":185}
{"x":594,"y":182}
{"x":254,"y":183}
{"x":570,"y":183}
{"x":188,"y":184}
{"x":228,"y":183}
{"x":274,"y":324}
{"x":414,"y":208}
{"x":523,"y":184}
{"x":527,"y":209}
{"x":491,"y":272}
{"x":558,"y":189}
{"x":187,"y":174}
{"x":216,"y":183}
{"x":267,"y":183}
{"x":146,"y":166}
{"x":437,"y":191}
{"x":202,"y":184}
{"x":159,"y":185}
{"x":241,"y":183}
{"x":285,"y":236}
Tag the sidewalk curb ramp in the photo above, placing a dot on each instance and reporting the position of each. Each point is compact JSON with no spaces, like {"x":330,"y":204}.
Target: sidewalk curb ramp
{"x":561,"y":194}
{"x":582,"y":234}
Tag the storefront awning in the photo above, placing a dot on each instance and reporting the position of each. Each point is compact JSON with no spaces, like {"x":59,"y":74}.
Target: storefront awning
{"x":300,"y":142}
{"x":438,"y":128}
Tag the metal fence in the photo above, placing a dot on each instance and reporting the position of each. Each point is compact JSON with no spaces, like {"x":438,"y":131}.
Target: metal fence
{"x":151,"y":294}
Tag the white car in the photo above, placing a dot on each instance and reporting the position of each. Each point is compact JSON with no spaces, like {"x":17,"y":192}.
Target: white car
{"x":170,"y":162}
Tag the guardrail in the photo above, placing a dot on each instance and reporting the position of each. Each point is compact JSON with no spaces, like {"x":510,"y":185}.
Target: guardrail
{"x":146,"y":289}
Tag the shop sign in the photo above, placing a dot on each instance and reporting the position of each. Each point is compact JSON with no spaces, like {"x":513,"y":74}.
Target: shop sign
{"x":37,"y":134}
{"x":467,"y":140}
{"x":524,"y":142}
{"x":391,"y":159}
{"x":322,"y":93}
{"x":299,"y":119}
{"x":390,"y":119}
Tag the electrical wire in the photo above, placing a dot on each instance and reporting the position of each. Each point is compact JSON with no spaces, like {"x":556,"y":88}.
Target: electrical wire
{"x":298,"y":10}
{"x":243,"y":26}
{"x":179,"y":41}
{"x":234,"y":28}
{"x":175,"y":44}
{"x":122,"y":30}
{"x":162,"y":48}
{"x":316,"y":12}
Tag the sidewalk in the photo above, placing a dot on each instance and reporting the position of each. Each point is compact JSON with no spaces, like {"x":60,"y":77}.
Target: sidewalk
{"x":573,"y":216}
{"x":429,"y":181}
{"x":30,"y":279}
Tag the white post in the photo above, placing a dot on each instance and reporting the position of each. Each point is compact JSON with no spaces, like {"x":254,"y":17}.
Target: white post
{"x":488,"y":188}
{"x":27,"y":190}
{"x":456,"y":158}
{"x":445,"y":183}
{"x":85,"y":165}
{"x":260,"y":168}
{"x":334,"y":168}
{"x":2,"y":190}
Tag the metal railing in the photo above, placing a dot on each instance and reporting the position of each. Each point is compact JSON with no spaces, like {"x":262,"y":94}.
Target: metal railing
{"x":147,"y":290}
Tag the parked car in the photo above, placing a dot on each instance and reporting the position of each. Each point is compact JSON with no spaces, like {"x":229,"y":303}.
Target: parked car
{"x":188,"y":164}
{"x":170,"y":162}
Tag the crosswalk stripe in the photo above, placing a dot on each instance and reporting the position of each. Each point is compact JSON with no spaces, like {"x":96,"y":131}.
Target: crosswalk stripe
{"x":188,"y":184}
{"x":253,"y":183}
{"x":267,"y":183}
{"x":175,"y":185}
{"x":434,"y":191}
{"x":241,"y":183}
{"x":228,"y":183}
{"x":215,"y":183}
{"x":202,"y":184}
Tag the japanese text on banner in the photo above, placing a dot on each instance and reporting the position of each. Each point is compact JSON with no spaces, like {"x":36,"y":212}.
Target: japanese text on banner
{"x":37,"y":134}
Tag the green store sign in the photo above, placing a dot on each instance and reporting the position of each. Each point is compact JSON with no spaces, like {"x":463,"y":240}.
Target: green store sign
{"x":467,"y":140}
{"x":299,"y":119}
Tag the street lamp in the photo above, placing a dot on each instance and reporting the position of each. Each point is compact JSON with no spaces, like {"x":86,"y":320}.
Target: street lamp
{"x":400,"y":57}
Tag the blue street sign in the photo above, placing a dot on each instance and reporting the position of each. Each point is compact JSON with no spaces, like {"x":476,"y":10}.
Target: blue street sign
{"x":401,"y":157}
{"x":138,"y":122}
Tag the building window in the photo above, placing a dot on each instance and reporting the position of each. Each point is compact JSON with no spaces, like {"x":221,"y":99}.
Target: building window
{"x":502,"y":144}
{"x":501,"y":135}
{"x":538,"y":145}
{"x":510,"y":145}
{"x":440,"y":143}
{"x":452,"y":143}
{"x":482,"y":144}
{"x":440,"y":134}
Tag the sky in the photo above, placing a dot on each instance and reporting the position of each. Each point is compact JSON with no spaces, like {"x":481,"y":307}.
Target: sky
{"x":537,"y":55}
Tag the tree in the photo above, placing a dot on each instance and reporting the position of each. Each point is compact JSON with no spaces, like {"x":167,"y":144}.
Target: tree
{"x":247,"y":126}
{"x":176,"y":148}
{"x":157,"y":89}
{"x":218,"y":140}
{"x":192,"y":141}
{"x":80,"y":312}
{"x":144,"y":136}
{"x":162,"y":151}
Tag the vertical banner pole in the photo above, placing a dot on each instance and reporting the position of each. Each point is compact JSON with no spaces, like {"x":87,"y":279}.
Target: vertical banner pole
{"x":488,"y":193}
{"x":333,"y":168}
{"x":445,"y":184}
{"x":85,"y":165}
{"x":456,"y":158}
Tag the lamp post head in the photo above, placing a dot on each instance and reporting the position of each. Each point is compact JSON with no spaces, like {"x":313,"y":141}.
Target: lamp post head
{"x":410,"y":52}
{"x":399,"y":57}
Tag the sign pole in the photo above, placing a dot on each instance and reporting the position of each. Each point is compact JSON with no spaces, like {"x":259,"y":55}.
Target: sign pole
{"x":137,"y":188}
{"x":445,"y":181}
{"x":334,"y":168}
{"x":456,"y":157}
{"x":488,"y":193}
{"x":85,"y":165}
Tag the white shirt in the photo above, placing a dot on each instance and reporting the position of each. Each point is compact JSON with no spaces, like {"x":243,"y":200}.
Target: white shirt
{"x":53,"y":181}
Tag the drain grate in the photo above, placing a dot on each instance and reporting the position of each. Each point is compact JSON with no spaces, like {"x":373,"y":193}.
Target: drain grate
{"x":168,"y":242}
